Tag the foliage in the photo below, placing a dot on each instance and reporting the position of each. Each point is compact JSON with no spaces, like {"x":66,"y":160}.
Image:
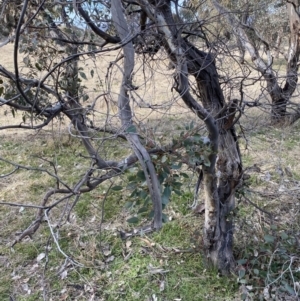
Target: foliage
{"x":269,"y":268}
{"x":189,"y":148}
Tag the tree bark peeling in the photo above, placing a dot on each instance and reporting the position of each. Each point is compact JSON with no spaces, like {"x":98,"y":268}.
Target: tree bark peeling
{"x":219,"y":190}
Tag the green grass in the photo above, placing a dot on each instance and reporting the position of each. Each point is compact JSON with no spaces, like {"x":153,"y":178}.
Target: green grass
{"x":169,"y":264}
{"x":148,"y":266}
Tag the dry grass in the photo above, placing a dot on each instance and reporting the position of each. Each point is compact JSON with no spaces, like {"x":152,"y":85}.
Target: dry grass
{"x":154,"y":102}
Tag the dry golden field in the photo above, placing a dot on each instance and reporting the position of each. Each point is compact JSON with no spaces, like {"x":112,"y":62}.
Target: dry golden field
{"x":155,"y":88}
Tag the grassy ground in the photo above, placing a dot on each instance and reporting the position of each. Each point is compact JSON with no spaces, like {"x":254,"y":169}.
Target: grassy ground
{"x":169,"y":265}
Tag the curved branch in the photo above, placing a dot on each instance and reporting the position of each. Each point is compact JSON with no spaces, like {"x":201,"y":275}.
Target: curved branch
{"x":76,"y":42}
{"x":16,"y":48}
{"x":27,"y":127}
{"x":10,"y":173}
{"x":126,"y":114}
{"x":108,"y":38}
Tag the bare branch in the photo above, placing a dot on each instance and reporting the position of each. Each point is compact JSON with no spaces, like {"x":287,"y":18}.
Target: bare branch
{"x":23,"y":205}
{"x":108,"y":38}
{"x":126,"y":114}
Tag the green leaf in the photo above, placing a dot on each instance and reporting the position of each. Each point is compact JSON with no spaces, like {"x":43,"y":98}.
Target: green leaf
{"x":131,"y":178}
{"x":164,"y":159}
{"x":178,"y":192}
{"x":187,"y":142}
{"x":256,"y":271}
{"x":197,"y":138}
{"x":176,"y":166}
{"x":274,"y":227}
{"x":206,"y":163}
{"x":143,"y":194}
{"x":191,"y":125}
{"x":177,"y":184}
{"x":166,"y":169}
{"x":164,"y":174}
{"x":133,"y":220}
{"x":166,"y":195}
{"x":85,"y":97}
{"x":82,"y":74}
{"x":143,"y":209}
{"x":289,"y":289}
{"x":269,"y":238}
{"x":38,"y":67}
{"x":184,"y":175}
{"x":284,"y":236}
{"x":117,"y":188}
{"x":242,"y":261}
{"x":26,"y":60}
{"x":146,"y":200}
{"x":131,"y":186}
{"x":131,"y":129}
{"x":140,"y":175}
{"x":128,"y":205}
{"x":161,"y":178}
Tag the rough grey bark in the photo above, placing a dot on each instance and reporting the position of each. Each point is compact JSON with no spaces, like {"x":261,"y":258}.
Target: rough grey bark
{"x":279,"y":95}
{"x":126,"y":114}
{"x":220,"y":179}
{"x":228,"y":167}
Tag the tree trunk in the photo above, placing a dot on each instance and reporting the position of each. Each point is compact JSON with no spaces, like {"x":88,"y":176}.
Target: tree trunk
{"x":223,"y":174}
{"x":278,"y":111}
{"x":228,"y":168}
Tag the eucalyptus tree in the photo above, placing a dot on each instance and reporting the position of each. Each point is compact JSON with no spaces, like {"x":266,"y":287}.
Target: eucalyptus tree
{"x":60,"y":92}
{"x":262,"y":40}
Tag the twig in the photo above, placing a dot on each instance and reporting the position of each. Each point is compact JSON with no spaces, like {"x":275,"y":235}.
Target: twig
{"x":259,"y":208}
{"x":10,"y":173}
{"x":77,"y":191}
{"x":57,"y":244}
{"x":102,"y":211}
{"x":23,"y":205}
{"x":37,"y":169}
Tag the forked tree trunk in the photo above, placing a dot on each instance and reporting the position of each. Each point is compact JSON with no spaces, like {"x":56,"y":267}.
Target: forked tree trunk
{"x":221,"y":177}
